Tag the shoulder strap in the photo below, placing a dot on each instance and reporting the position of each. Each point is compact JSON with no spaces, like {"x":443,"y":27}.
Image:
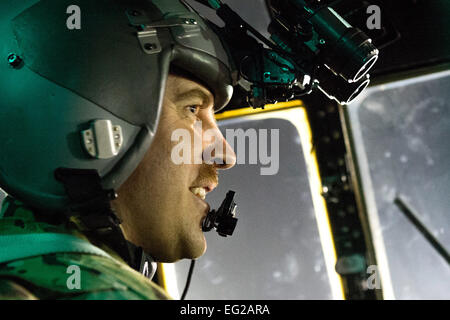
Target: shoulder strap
{"x":20,"y":246}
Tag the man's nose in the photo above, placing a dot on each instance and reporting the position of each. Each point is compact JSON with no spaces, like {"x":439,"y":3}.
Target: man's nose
{"x":216,"y":149}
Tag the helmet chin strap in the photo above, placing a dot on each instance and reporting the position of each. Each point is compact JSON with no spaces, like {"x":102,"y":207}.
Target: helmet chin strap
{"x":92,"y":205}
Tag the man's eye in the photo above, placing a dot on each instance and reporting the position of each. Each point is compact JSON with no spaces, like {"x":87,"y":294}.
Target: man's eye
{"x":194,"y":109}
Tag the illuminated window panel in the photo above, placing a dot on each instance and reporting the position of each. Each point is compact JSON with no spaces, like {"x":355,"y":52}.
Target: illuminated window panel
{"x":401,"y":132}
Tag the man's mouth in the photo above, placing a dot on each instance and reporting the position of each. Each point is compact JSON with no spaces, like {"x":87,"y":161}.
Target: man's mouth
{"x":199,"y":192}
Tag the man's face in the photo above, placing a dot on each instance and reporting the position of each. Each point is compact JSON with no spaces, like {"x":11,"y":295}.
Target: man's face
{"x":157,"y":205}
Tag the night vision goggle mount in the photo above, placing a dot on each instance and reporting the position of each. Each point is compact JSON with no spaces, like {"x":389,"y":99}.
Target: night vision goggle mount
{"x":310,"y":47}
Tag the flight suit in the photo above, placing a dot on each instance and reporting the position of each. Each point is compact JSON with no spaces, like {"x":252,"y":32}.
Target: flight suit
{"x":76,"y":270}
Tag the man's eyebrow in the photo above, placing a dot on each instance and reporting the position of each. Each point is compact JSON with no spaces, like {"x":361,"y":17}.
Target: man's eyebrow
{"x":194,"y":93}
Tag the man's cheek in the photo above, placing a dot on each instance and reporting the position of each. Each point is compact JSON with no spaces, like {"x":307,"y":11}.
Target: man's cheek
{"x":186,"y":146}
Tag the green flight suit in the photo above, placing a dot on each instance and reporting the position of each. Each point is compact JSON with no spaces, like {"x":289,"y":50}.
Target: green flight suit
{"x":51,"y":275}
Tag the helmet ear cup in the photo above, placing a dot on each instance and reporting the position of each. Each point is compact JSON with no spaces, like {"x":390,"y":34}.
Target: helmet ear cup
{"x":42,"y":120}
{"x":43,"y":124}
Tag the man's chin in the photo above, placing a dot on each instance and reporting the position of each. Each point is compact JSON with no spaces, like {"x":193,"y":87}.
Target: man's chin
{"x":195,"y":248}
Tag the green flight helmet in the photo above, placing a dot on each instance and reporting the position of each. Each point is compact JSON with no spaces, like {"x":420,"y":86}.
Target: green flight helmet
{"x":82,"y":85}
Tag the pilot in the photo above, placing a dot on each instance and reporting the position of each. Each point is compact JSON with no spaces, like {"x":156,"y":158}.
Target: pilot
{"x":87,"y":117}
